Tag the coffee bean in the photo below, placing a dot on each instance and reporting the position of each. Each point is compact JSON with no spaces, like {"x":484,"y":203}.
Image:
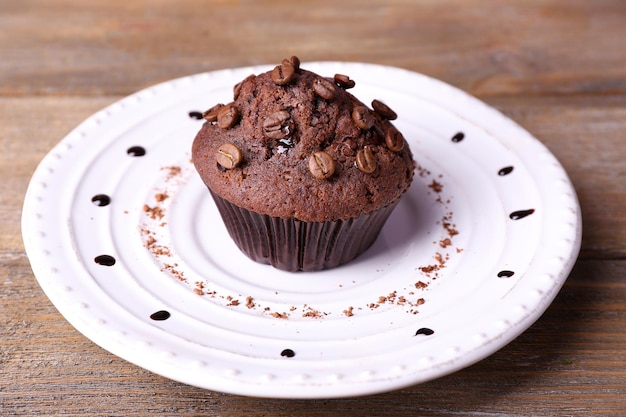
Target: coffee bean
{"x":229,"y":156}
{"x":237,"y":87}
{"x":295,"y":61}
{"x":227,"y":116}
{"x":344,"y":81}
{"x":365,"y":160}
{"x":362,"y":117}
{"x":321,"y":165}
{"x":237,"y":90}
{"x":394,"y":139}
{"x":210,"y":115}
{"x":277,"y":125}
{"x":324,"y":88}
{"x":384,"y":110}
{"x":284,"y":73}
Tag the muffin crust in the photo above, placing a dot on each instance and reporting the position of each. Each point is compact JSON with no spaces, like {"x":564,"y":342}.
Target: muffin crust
{"x":284,"y":129}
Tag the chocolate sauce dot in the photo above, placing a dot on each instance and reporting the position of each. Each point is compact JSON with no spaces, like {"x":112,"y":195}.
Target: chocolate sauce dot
{"x":136,"y":151}
{"x":288,"y":353}
{"x":160,"y":315}
{"x":425,"y":331}
{"x":106,"y":260}
{"x":101,"y":200}
{"x":505,"y":274}
{"x":458,"y":137}
{"x":505,"y":171}
{"x":520,"y":214}
{"x":197,"y":115}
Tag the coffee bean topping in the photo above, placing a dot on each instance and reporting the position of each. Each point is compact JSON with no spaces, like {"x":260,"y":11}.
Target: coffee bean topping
{"x":237,"y":87}
{"x":344,"y":81}
{"x":277,"y":125}
{"x":321,"y":165}
{"x":227,"y":116}
{"x":384,"y":110}
{"x":324,"y":88}
{"x":394,"y":139}
{"x":210,"y":115}
{"x":229,"y":156}
{"x":365,"y":160}
{"x":295,"y":61}
{"x":362,"y":117}
{"x":284,"y":73}
{"x":237,"y":90}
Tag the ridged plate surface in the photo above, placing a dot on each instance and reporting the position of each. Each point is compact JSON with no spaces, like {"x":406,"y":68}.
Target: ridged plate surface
{"x":126,"y":242}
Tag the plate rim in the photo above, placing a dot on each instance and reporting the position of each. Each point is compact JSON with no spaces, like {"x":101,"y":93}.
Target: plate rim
{"x":515,"y":330}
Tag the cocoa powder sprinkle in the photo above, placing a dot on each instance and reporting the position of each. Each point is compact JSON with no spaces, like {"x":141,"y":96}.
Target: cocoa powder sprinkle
{"x":436,"y":186}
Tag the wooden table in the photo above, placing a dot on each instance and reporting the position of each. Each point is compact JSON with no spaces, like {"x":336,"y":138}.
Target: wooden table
{"x":558,"y":67}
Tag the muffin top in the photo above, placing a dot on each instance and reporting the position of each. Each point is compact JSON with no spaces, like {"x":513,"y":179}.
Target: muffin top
{"x":294,"y":144}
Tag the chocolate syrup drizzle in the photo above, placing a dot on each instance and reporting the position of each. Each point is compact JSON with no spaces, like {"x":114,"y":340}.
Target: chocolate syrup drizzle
{"x":105,"y":260}
{"x":136,"y":151}
{"x":101,"y":200}
{"x":160,"y":315}
{"x":520,"y":214}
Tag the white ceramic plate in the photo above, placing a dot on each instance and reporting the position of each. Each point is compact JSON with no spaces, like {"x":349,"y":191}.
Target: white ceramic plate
{"x":476,"y":251}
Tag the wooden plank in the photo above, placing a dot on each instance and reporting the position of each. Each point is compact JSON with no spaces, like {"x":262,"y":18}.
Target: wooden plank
{"x":117,"y":47}
{"x":588,"y":136}
{"x":29,"y":129}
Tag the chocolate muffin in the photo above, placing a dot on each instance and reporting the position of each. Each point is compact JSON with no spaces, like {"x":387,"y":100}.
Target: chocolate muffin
{"x":303,"y":174}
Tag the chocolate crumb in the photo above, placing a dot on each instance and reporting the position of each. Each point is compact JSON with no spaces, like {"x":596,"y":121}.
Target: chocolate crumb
{"x":444,"y":243}
{"x":172,"y":269}
{"x":429,"y":268}
{"x":447,"y":224}
{"x":436,"y":186}
{"x":173,"y":171}
{"x":153,"y":212}
{"x":150,"y":241}
{"x":312,"y":313}
{"x":159,"y":250}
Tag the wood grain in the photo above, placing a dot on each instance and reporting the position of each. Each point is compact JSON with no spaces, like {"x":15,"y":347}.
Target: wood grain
{"x":556,"y":67}
{"x":117,"y":47}
{"x":588,"y":136}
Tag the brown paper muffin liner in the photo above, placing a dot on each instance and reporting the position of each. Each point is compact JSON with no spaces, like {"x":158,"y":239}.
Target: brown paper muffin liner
{"x":294,"y":245}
